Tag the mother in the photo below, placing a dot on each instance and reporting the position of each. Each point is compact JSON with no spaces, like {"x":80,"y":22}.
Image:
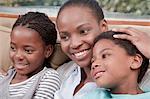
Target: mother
{"x":78,"y":23}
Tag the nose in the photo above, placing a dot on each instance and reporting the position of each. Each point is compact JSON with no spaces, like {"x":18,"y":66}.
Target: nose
{"x":95,"y":65}
{"x":75,"y":42}
{"x":19,"y":55}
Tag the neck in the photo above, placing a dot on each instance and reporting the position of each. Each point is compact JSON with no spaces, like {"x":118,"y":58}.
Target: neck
{"x":127,"y":88}
{"x":86,"y":71}
{"x":22,"y":77}
{"x":19,"y":78}
{"x":85,"y":78}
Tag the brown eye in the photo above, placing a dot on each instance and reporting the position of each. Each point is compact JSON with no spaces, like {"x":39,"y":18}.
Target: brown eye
{"x":64,"y":38}
{"x":105,"y":56}
{"x":84,"y":31}
{"x":28,"y":51}
{"x":12,"y":48}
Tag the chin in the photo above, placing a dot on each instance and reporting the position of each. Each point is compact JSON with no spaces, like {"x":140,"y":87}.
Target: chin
{"x":83,"y":64}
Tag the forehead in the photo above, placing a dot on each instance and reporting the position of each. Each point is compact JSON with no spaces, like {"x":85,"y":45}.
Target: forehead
{"x":21,"y":32}
{"x":103,"y":44}
{"x":76,"y":9}
{"x":75,"y":14}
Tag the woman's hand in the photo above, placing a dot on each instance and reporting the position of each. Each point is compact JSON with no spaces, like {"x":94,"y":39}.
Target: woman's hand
{"x":140,"y":39}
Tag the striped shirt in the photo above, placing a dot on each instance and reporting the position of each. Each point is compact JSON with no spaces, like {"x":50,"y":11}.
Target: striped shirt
{"x":48,"y":84}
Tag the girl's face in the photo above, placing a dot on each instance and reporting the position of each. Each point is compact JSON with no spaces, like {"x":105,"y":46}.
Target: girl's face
{"x":27,"y":50}
{"x":110,"y":65}
{"x":78,"y":28}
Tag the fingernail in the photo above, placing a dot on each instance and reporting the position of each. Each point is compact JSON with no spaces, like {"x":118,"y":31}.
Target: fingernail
{"x":115,"y":36}
{"x":114,"y":29}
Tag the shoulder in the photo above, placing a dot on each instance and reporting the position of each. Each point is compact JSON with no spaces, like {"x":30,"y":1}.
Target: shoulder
{"x":66,"y":66}
{"x":98,"y":93}
{"x":66,"y":69}
{"x":48,"y":85}
{"x":1,"y":76}
{"x":145,"y":83}
{"x":51,"y":75}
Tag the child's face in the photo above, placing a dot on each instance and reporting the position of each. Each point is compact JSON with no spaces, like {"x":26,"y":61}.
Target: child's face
{"x":78,"y":28}
{"x":110,"y":64}
{"x":27,"y":50}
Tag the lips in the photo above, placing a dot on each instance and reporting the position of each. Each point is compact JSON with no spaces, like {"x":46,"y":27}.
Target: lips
{"x":98,"y":74}
{"x":80,"y":55}
{"x":20,"y":65}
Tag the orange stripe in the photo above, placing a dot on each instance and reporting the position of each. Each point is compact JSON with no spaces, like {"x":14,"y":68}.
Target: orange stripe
{"x":111,"y":22}
{"x":119,"y":22}
{"x":8,"y":15}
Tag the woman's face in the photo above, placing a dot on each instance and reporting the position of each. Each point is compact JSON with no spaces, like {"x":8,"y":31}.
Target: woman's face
{"x":77,"y":28}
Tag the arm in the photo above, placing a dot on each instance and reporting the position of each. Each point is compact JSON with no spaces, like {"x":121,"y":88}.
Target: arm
{"x":49,"y":84}
{"x":140,"y":39}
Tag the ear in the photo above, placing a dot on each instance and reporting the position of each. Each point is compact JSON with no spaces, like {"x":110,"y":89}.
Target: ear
{"x":137,"y":62}
{"x":103,"y":25}
{"x":49,"y":51}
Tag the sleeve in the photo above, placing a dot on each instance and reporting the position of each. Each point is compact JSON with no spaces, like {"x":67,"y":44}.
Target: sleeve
{"x":145,"y":83}
{"x":98,"y":93}
{"x":1,"y":77}
{"x":64,"y":69}
{"x":48,"y":85}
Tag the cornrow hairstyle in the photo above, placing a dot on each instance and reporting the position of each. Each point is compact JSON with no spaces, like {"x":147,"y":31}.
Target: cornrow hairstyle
{"x":93,"y":5}
{"x":129,"y":47}
{"x":42,"y":25}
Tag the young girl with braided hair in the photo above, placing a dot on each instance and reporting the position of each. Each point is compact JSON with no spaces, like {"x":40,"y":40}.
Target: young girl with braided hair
{"x":33,"y":37}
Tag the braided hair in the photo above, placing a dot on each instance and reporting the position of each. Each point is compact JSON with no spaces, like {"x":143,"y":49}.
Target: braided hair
{"x":41,"y":23}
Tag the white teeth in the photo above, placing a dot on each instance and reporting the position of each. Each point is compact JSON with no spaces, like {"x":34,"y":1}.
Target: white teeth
{"x":99,"y":74}
{"x":81,"y":53}
{"x":21,"y":64}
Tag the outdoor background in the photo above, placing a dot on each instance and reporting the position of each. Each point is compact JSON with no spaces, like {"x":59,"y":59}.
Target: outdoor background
{"x":137,"y":7}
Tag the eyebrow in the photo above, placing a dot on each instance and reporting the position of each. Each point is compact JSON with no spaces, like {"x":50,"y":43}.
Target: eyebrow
{"x":12,"y":43}
{"x":63,"y":32}
{"x":80,"y":26}
{"x":105,"y":50}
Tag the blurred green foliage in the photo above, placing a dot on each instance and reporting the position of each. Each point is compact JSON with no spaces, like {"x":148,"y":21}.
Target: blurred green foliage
{"x":138,"y":7}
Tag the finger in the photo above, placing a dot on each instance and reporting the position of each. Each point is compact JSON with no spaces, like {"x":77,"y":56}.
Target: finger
{"x":123,"y":36}
{"x":135,"y":31}
{"x":129,"y":30}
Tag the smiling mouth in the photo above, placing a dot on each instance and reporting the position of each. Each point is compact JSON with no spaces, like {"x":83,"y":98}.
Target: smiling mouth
{"x":20,"y":65}
{"x":81,"y":54}
{"x":98,"y":74}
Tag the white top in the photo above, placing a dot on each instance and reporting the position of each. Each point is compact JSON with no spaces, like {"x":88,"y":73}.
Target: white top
{"x":49,"y":83}
{"x":70,"y":74}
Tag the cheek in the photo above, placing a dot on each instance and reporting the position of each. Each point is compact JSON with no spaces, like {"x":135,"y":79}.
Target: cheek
{"x":91,"y":73}
{"x":36,"y":60}
{"x":92,"y":36}
{"x":118,"y":70}
{"x":11,"y":55}
{"x":90,"y":39}
{"x":64,"y":47}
